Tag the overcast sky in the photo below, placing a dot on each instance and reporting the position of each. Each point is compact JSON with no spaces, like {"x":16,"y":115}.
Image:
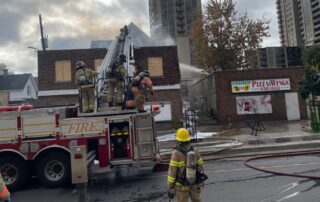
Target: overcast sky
{"x":72,"y":24}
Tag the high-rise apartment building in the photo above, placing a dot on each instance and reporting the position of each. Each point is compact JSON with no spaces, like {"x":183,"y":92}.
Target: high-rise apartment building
{"x":299,"y":22}
{"x":279,"y":57}
{"x":288,"y":20}
{"x":170,"y":22}
{"x":309,"y":13}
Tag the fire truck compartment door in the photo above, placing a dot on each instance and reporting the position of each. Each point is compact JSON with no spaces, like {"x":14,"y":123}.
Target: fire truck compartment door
{"x":8,"y":128}
{"x":37,"y":126}
{"x":79,"y":164}
{"x":144,"y":136}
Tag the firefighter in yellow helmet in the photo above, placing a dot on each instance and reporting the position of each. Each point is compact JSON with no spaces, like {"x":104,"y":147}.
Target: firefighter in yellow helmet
{"x":115,"y":75}
{"x":186,"y":173}
{"x":84,"y":80}
{"x":4,"y":193}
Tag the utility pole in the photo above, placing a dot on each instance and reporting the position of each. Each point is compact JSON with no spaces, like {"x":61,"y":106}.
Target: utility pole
{"x":44,"y":40}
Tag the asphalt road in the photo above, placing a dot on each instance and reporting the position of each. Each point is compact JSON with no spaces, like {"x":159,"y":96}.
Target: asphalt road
{"x":229,"y":180}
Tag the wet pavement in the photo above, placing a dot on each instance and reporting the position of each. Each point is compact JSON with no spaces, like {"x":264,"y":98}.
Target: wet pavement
{"x":229,"y":181}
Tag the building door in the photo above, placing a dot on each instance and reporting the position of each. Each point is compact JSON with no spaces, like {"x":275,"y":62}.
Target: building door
{"x":292,"y":105}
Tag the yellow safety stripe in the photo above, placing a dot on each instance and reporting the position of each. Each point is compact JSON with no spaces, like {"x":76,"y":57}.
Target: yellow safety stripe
{"x":174,"y":163}
{"x":3,"y":129}
{"x":119,"y":134}
{"x":177,"y":163}
{"x":171,"y":179}
{"x":38,"y":124}
{"x":200,"y":161}
{"x":183,"y":188}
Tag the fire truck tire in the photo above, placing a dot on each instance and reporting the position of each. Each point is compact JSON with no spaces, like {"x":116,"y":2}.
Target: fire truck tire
{"x":14,"y":172}
{"x":54,"y":169}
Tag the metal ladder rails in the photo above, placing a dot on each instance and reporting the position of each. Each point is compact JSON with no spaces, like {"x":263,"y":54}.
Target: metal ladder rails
{"x":114,"y":49}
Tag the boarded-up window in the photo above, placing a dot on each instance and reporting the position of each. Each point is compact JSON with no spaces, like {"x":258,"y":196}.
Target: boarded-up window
{"x":63,"y":70}
{"x":97,"y":64}
{"x":155,"y":66}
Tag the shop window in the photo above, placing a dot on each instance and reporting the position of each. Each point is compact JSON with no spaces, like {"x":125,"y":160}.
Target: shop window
{"x":97,"y":64}
{"x":155,"y":66}
{"x":63,"y":70}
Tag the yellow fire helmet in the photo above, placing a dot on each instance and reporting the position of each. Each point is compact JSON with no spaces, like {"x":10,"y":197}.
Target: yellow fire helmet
{"x":182,"y":135}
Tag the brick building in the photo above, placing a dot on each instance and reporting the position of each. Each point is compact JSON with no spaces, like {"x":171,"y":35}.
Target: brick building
{"x":264,"y":94}
{"x":56,"y":70}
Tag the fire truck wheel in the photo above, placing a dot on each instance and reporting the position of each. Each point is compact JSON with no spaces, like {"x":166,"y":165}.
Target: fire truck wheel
{"x":14,"y":172}
{"x":53,"y":169}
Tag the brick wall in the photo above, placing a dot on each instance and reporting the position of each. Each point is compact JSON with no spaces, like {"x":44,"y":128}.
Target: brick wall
{"x":226,"y":101}
{"x":46,"y":65}
{"x":174,"y":97}
{"x":169,"y":56}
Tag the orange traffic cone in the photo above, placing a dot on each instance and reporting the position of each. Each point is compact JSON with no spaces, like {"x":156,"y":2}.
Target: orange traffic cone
{"x":303,"y":125}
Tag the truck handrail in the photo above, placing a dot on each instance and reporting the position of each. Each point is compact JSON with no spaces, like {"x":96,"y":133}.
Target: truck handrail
{"x":15,"y":108}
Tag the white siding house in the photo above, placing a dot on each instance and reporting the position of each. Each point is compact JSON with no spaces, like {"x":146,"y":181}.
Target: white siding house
{"x":22,"y":88}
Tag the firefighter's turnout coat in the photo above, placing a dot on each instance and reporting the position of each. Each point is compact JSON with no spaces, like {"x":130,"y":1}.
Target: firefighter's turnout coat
{"x":177,"y":169}
{"x":86,"y":88}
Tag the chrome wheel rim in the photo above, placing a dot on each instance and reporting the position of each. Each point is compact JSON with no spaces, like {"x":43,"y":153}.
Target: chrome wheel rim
{"x":9,"y":173}
{"x":54,"y":170}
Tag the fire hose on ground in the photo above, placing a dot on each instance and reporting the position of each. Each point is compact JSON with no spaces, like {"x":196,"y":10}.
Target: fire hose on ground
{"x":307,"y":152}
{"x":164,"y":161}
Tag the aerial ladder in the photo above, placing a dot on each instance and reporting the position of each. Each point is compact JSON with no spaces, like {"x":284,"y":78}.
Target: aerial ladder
{"x":122,"y":44}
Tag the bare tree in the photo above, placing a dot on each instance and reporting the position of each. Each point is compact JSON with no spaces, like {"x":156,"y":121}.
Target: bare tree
{"x":224,"y":40}
{"x":4,"y":70}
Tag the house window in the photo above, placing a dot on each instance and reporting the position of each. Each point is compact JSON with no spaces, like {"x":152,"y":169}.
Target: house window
{"x":155,"y":66}
{"x":63,"y":70}
{"x":97,"y":64}
{"x":28,"y":90}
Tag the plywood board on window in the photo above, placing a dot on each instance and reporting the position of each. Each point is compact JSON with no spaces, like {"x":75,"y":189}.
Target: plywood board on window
{"x":97,"y":64}
{"x":63,"y":70}
{"x":155,"y":66}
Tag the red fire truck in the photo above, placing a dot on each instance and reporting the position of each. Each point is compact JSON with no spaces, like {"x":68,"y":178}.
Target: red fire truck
{"x":37,"y":142}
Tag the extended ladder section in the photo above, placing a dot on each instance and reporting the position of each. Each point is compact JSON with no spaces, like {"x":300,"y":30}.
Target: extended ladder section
{"x":121,"y":44}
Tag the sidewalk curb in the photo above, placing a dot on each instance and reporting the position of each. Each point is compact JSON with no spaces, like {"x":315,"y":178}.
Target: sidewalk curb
{"x":297,"y":138}
{"x":268,"y":147}
{"x":256,"y":149}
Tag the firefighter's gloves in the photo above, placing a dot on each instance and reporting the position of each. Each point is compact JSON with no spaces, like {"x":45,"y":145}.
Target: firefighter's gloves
{"x":136,"y":81}
{"x":171,"y":193}
{"x":201,"y":177}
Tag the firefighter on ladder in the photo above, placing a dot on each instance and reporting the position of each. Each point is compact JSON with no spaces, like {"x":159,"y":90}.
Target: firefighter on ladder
{"x":4,"y":193}
{"x":141,"y":89}
{"x":84,"y":80}
{"x":115,"y":75}
{"x":186,"y":174}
